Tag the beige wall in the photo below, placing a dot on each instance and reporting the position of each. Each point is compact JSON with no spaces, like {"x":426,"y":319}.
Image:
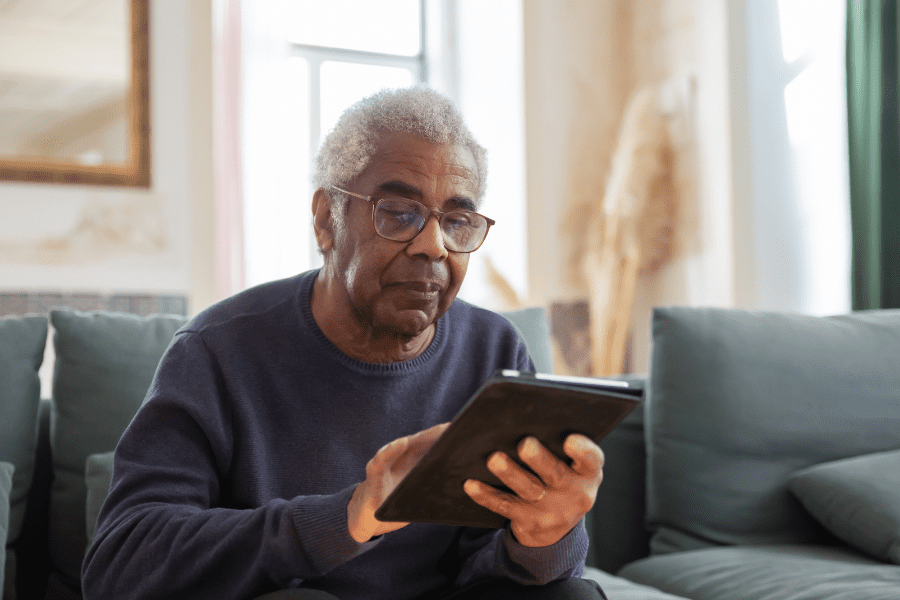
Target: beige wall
{"x":112,"y":239}
{"x":583,"y":60}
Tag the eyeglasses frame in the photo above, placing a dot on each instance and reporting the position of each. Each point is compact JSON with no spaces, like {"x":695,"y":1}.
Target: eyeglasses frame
{"x":431,"y":211}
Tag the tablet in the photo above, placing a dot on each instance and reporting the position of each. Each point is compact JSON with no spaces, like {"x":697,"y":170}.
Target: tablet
{"x":509,"y":407}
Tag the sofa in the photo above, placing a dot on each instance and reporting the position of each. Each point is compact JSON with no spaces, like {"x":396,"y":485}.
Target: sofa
{"x":764,"y":462}
{"x":769,"y":464}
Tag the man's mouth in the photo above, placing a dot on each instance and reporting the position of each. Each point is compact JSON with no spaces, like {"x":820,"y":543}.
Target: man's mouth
{"x":425,"y":288}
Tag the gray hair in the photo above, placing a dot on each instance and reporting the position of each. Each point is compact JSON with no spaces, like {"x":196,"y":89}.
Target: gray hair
{"x":420,"y":110}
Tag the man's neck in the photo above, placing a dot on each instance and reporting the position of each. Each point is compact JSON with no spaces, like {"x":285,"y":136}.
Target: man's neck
{"x":352,"y":335}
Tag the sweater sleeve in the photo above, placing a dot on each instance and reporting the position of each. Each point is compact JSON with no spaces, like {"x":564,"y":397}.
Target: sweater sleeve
{"x":497,"y":554}
{"x":169,"y":529}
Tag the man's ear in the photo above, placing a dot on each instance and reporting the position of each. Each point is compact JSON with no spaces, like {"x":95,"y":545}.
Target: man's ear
{"x":323,"y":224}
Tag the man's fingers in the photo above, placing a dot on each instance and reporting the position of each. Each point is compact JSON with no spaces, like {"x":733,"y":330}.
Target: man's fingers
{"x":549,"y":468}
{"x":402,"y":451}
{"x":524,"y":484}
{"x":426,"y":438}
{"x":587,"y":457}
{"x":493,"y":499}
{"x":386,"y":456}
{"x":570,"y":491}
{"x":418,"y":444}
{"x":389,"y":465}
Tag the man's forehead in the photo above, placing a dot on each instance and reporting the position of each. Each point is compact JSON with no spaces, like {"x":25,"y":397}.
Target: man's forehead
{"x":465,"y":201}
{"x":408,"y":147}
{"x":410,"y":165}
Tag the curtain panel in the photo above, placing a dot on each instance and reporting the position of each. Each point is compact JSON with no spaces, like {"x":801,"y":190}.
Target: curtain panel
{"x":228,"y":143}
{"x":874,"y":152}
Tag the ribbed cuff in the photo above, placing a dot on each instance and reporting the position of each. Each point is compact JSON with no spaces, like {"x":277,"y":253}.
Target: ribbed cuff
{"x":564,"y":558}
{"x":321,"y":524}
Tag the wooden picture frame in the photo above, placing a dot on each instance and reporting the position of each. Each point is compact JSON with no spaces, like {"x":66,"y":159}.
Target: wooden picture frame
{"x":135,"y":171}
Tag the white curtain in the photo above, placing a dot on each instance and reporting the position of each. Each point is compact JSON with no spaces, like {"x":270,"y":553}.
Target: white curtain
{"x":227,"y":147}
{"x":277,"y":196}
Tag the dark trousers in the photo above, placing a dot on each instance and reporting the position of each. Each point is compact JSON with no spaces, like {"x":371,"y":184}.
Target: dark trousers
{"x":571,"y":589}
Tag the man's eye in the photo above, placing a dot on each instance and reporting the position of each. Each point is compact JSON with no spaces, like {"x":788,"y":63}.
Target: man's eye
{"x":399,"y":215}
{"x":458,"y":221}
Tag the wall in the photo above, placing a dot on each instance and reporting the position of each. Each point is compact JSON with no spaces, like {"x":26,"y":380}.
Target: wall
{"x":583,"y":60}
{"x":108,"y":239}
{"x":690,"y":41}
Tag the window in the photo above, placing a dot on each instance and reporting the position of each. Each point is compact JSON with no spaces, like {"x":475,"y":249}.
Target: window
{"x":816,"y":110}
{"x":305,"y":61}
{"x":797,"y":120}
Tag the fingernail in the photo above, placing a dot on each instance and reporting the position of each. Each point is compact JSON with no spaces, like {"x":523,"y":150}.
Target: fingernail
{"x":470,"y":486}
{"x":495,"y":461}
{"x":530,"y":447}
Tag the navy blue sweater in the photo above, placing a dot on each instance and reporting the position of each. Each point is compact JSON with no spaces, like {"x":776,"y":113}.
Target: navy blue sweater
{"x":234,"y":477}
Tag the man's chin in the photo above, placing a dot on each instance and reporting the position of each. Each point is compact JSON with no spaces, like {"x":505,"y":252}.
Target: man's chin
{"x":409,"y":323}
{"x":408,"y":315}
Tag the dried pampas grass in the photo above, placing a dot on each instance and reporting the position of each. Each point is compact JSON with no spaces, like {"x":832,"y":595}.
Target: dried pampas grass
{"x":631,"y":233}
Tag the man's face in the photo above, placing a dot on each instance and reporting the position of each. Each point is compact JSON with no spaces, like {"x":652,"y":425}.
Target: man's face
{"x":404,"y":287}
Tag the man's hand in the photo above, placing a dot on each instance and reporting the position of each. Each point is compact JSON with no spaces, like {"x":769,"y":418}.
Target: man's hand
{"x":386,"y":469}
{"x":543,"y":510}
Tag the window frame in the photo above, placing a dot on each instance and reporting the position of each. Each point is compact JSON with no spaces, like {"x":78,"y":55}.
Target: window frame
{"x":315,"y":56}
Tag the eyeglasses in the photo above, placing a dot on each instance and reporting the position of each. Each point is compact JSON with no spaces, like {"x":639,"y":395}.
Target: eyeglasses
{"x":402,"y":219}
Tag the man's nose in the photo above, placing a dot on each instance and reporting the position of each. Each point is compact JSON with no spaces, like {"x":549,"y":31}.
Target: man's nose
{"x":430,"y":241}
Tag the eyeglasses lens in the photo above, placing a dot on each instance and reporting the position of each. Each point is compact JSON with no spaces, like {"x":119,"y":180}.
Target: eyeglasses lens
{"x":398,"y":219}
{"x":401,"y":220}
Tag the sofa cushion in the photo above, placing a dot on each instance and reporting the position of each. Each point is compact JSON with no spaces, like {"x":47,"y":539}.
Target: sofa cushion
{"x":22,"y":343}
{"x":619,"y":588}
{"x":97,"y":477}
{"x":857,"y":499}
{"x":6,"y":483}
{"x":738,"y":401}
{"x":534,"y":328}
{"x":104,"y":365}
{"x":616,"y":522}
{"x":778,"y":572}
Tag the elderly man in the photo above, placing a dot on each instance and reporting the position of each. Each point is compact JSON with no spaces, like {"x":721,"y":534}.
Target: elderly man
{"x":280,"y":418}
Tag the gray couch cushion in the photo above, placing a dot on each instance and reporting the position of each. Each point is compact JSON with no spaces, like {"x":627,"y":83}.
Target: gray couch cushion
{"x":738,"y":401}
{"x":616,"y":522}
{"x":22,"y":341}
{"x":789,"y":572}
{"x":534,"y":328}
{"x":104,"y":365}
{"x":619,"y":588}
{"x":97,"y":477}
{"x":6,"y":482}
{"x":857,"y":499}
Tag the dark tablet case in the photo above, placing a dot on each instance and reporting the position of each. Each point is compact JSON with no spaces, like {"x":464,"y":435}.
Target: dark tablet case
{"x":509,"y":407}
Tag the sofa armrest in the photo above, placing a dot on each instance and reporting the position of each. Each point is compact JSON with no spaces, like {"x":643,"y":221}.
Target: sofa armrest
{"x":616,"y":523}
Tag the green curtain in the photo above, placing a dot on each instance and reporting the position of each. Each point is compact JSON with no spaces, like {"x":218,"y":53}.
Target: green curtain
{"x":874,"y":146}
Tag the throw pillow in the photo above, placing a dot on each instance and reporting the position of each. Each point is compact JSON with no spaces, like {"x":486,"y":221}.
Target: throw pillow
{"x":22,"y":342}
{"x":104,"y":365}
{"x":857,"y":499}
{"x":6,"y":483}
{"x":740,"y":400}
{"x":97,"y":477}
